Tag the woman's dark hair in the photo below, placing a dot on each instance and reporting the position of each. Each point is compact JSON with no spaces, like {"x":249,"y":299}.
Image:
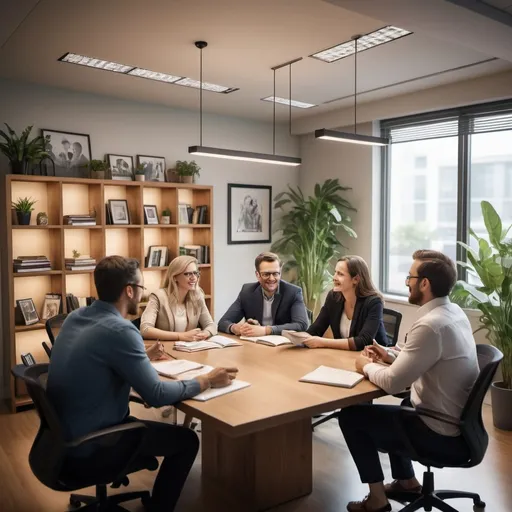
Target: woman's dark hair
{"x":111,"y":276}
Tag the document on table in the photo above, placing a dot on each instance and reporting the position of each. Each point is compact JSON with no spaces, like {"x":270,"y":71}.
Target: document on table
{"x":215,"y":392}
{"x":175,"y":367}
{"x":333,"y":377}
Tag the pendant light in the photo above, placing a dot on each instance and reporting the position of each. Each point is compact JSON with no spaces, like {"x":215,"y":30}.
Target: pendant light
{"x":353,"y":138}
{"x":232,"y":153}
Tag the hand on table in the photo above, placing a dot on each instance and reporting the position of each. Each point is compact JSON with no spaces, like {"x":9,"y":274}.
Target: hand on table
{"x":361,"y":362}
{"x":192,"y":335}
{"x":250,"y":329}
{"x":221,"y":377}
{"x":157,"y":352}
{"x":315,"y":342}
{"x":377,"y":353}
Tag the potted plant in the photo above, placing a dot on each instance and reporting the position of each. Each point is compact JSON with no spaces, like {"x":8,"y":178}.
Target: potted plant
{"x":24,"y":209}
{"x":20,"y":152}
{"x":323,"y":215}
{"x":140,"y":173}
{"x":492,"y":264}
{"x":98,"y":169}
{"x":187,"y":171}
{"x":166,"y":216}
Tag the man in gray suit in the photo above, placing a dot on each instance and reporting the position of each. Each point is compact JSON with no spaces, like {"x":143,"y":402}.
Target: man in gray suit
{"x":268,"y":306}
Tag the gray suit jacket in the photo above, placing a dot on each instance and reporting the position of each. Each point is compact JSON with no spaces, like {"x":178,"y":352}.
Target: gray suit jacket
{"x":288,"y":309}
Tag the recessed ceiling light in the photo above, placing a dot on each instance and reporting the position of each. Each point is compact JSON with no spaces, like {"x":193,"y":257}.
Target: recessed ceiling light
{"x":91,"y":62}
{"x":286,"y":101}
{"x":154,"y":75}
{"x":196,"y":84}
{"x":376,"y":38}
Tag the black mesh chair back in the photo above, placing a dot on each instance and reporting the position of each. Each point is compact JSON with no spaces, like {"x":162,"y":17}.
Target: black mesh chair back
{"x":53,"y":326}
{"x":392,"y":320}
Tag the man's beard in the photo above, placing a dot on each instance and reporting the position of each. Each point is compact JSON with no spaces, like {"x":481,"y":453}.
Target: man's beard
{"x":415,"y":295}
{"x":133,"y":308}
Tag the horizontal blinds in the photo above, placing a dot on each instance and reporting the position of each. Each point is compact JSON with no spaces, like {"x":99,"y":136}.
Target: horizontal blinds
{"x":494,"y":123}
{"x":423,"y":131}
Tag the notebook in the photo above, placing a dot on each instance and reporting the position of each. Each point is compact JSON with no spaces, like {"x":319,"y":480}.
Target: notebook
{"x":297,"y":338}
{"x":273,"y":340}
{"x":215,"y":392}
{"x":333,"y":377}
{"x":174,"y":367}
{"x":213,"y":342}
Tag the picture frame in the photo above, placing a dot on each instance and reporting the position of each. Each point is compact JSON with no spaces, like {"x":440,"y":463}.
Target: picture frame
{"x":119,"y":212}
{"x":150,"y":214}
{"x":249,"y":214}
{"x":51,"y":306}
{"x":121,"y":167}
{"x":154,"y":167}
{"x":28,"y":311}
{"x":70,"y":152}
{"x":183,"y":214}
{"x":157,"y":256}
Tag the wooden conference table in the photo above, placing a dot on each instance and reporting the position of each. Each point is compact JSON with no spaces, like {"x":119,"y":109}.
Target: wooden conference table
{"x":257,"y":442}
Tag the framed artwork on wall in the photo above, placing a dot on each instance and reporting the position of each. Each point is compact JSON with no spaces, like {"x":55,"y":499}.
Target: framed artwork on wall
{"x":119,"y":212}
{"x":154,"y":167}
{"x":121,"y":166}
{"x":249,"y":214}
{"x":28,"y":311}
{"x":150,"y":214}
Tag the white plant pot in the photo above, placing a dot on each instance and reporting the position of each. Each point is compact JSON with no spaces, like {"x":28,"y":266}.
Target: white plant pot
{"x":166,"y":219}
{"x":140,"y":177}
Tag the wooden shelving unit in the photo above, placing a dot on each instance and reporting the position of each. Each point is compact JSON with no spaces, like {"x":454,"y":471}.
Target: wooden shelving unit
{"x":64,"y":196}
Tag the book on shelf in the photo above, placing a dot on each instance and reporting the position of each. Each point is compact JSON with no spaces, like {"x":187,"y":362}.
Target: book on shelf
{"x":73,"y":302}
{"x":193,"y":215}
{"x":200,"y":252}
{"x":333,"y":377}
{"x":213,"y":342}
{"x":273,"y":340}
{"x":31,"y":264}
{"x":175,"y":367}
{"x":80,"y":263}
{"x":79,"y":220}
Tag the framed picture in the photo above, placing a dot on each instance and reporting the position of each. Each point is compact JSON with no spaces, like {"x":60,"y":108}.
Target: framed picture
{"x":249,"y":214}
{"x":71,"y":153}
{"x":154,"y":167}
{"x":157,"y":256}
{"x":183,"y":214}
{"x":51,"y":306}
{"x":121,"y":166}
{"x":119,"y":212}
{"x":150,"y":214}
{"x":28,"y":311}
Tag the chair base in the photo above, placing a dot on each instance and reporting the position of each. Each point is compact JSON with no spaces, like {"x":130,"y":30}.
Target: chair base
{"x":430,"y":498}
{"x":103,"y":503}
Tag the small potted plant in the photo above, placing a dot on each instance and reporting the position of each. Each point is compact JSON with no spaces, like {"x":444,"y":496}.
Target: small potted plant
{"x":187,"y":171}
{"x":140,"y":174}
{"x":24,"y":208}
{"x":98,"y":169}
{"x":166,"y":216}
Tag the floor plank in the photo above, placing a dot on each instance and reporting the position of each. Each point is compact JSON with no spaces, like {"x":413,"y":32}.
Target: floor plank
{"x":335,"y":478}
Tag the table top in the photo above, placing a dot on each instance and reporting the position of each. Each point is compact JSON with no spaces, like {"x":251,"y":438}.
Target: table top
{"x":275,"y":395}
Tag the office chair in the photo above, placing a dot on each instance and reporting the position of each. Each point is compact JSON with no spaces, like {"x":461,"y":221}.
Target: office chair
{"x":50,"y":456}
{"x":472,"y":430}
{"x":53,"y":326}
{"x":392,"y":320}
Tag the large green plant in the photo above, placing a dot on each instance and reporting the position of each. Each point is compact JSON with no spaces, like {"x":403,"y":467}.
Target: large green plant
{"x":492,"y":263}
{"x":309,"y":234}
{"x":20,"y":151}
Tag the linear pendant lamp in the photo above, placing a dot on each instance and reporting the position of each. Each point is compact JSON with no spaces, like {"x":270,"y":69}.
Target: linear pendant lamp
{"x":353,"y":138}
{"x":236,"y":154}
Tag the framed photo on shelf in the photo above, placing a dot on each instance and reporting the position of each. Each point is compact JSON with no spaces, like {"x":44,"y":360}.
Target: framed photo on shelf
{"x":28,"y":311}
{"x":154,"y":167}
{"x":150,"y":214}
{"x":51,"y":306}
{"x":70,"y":152}
{"x":249,"y":214}
{"x":119,"y":213}
{"x":183,"y":214}
{"x":121,"y":167}
{"x":157,"y":256}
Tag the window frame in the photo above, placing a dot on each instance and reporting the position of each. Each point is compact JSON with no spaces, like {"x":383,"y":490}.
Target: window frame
{"x":466,"y":116}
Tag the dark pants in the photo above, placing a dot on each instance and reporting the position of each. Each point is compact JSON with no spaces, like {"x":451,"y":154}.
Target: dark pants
{"x":369,"y":428}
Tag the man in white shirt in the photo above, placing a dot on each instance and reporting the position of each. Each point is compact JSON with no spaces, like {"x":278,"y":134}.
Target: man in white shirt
{"x":438,"y":362}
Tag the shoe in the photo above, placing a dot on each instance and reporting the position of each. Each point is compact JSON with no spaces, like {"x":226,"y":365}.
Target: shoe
{"x":396,"y":486}
{"x":362,"y":506}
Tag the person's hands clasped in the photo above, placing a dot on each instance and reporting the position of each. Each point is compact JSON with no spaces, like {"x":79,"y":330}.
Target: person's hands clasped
{"x":377,"y":353}
{"x":157,"y":352}
{"x":221,"y":377}
{"x":314,"y":342}
{"x":192,"y":335}
{"x":252,"y":328}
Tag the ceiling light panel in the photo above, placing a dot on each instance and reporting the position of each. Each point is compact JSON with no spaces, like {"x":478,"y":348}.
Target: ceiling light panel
{"x":91,"y":62}
{"x":371,"y":40}
{"x":196,"y":84}
{"x":286,"y":101}
{"x":154,"y":75}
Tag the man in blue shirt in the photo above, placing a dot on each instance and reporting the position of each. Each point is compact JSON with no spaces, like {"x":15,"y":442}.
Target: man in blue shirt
{"x":99,"y":356}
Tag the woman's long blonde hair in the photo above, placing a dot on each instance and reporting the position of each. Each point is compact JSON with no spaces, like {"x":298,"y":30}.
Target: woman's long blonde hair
{"x":357,"y":267}
{"x":177,"y":266}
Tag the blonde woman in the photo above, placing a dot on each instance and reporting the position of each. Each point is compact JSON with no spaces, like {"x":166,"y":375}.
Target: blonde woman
{"x":178,"y":312}
{"x":353,"y":310}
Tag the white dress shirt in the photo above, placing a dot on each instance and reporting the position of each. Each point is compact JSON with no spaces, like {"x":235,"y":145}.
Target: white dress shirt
{"x":438,"y":361}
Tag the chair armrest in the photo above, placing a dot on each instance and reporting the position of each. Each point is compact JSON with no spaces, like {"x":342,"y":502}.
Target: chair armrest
{"x":422,"y":411}
{"x":103,"y":433}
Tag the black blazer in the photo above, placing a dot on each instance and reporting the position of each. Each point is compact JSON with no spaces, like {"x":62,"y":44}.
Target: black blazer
{"x":367,"y":322}
{"x":288,"y":308}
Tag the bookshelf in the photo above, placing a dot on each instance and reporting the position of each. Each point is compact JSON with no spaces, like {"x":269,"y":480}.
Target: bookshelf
{"x":70,"y":196}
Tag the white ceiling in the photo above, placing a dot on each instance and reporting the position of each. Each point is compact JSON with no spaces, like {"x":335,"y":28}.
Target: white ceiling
{"x":246,"y":38}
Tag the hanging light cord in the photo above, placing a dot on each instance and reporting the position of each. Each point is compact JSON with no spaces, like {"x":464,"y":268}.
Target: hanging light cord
{"x":355,"y":86}
{"x":290,"y":100}
{"x":274,"y":118}
{"x":201,"y":97}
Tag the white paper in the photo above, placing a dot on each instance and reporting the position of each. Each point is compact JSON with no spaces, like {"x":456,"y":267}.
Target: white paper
{"x":175,"y":367}
{"x":333,"y":377}
{"x":271,"y":339}
{"x":297,"y":338}
{"x":215,"y":392}
{"x":192,"y":374}
{"x":223,"y":341}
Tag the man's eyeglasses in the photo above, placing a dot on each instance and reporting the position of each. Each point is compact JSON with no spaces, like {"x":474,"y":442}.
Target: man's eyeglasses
{"x":408,"y":278}
{"x":137,"y":286}
{"x":267,"y":275}
{"x":190,"y":274}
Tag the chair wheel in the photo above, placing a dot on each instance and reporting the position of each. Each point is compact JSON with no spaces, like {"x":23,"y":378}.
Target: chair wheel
{"x":478,"y":505}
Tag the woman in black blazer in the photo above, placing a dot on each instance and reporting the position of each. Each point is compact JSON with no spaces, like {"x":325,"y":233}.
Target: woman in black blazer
{"x":352,"y":309}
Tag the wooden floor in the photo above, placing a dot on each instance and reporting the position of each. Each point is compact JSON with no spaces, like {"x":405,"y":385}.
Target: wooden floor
{"x":335,"y":478}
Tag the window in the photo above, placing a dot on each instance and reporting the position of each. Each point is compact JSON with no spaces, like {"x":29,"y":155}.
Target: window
{"x":438,"y":169}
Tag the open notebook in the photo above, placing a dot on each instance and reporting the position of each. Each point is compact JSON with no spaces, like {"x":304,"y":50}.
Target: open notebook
{"x":297,"y":338}
{"x":213,"y":342}
{"x":175,"y":367}
{"x":333,"y":377}
{"x":272,"y":340}
{"x":215,"y":392}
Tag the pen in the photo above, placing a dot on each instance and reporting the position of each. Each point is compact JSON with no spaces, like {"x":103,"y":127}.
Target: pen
{"x":165,"y":351}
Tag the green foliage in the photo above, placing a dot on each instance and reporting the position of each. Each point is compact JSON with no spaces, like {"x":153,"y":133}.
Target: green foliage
{"x":98,"y":166}
{"x":24,"y":205}
{"x":18,"y":149}
{"x":76,"y":254}
{"x":309,"y":234}
{"x":492,"y":263}
{"x":139,"y":170}
{"x":184,"y":168}
{"x":166,"y":212}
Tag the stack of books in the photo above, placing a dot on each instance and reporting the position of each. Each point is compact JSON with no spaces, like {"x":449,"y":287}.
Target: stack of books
{"x":79,"y":220}
{"x":200,"y":252}
{"x":199,"y":215}
{"x":73,"y":302}
{"x":31,"y":264}
{"x":80,"y":263}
